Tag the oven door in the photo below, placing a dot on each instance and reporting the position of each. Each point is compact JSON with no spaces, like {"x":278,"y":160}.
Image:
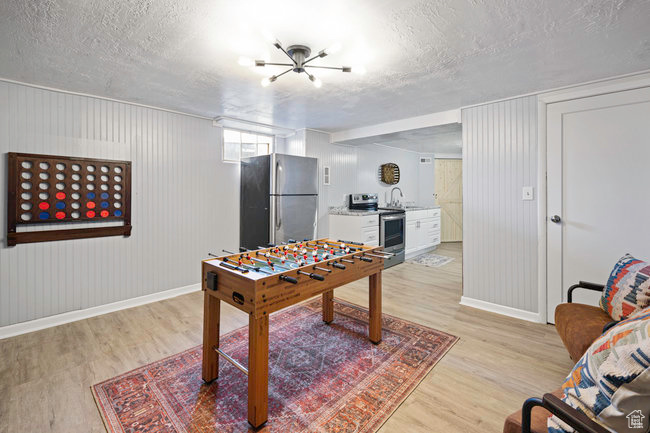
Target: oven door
{"x":391,"y":232}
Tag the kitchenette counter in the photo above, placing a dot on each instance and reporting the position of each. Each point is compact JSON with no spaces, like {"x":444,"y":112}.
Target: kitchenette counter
{"x":349,"y":212}
{"x":411,"y":208}
{"x":342,"y":210}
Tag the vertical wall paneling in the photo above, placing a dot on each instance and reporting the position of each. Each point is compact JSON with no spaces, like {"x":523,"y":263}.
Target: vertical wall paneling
{"x":179,"y":189}
{"x":499,"y":228}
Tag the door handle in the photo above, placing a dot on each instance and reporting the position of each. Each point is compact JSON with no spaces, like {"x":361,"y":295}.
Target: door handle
{"x":556,"y":219}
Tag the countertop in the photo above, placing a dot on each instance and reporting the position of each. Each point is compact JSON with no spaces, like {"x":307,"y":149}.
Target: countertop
{"x":348,"y":212}
{"x":345,"y":211}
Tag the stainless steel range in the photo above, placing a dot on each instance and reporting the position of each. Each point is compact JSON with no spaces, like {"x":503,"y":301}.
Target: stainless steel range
{"x":392,"y":234}
{"x":392,"y":225}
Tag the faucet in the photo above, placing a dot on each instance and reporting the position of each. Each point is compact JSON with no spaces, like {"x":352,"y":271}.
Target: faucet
{"x":394,"y":202}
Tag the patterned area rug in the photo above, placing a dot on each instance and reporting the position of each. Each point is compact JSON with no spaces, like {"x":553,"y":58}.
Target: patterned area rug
{"x":322,"y":378}
{"x":431,"y":260}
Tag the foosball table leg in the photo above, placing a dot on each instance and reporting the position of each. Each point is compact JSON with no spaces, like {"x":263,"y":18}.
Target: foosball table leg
{"x":375,"y":308}
{"x":211,"y":312}
{"x":328,"y":306}
{"x":258,"y":370}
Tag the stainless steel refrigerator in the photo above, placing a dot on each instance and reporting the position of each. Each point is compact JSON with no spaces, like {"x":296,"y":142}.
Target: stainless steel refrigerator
{"x":279,"y":199}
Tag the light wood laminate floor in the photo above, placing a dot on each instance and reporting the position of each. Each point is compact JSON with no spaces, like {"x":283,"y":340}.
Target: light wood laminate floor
{"x":45,"y":376}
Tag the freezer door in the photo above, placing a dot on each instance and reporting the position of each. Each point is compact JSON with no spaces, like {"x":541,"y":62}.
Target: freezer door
{"x":293,"y":217}
{"x":254,"y":202}
{"x":293,"y":175}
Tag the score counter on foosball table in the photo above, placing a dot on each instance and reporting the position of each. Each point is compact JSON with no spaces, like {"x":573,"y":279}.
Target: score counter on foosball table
{"x":262,"y":281}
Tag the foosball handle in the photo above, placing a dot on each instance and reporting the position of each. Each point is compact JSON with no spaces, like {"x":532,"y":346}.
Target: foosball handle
{"x":351,"y":242}
{"x":317,"y":277}
{"x":338,"y":265}
{"x":242,"y":249}
{"x":291,"y":241}
{"x":288,"y":279}
{"x":365,"y":259}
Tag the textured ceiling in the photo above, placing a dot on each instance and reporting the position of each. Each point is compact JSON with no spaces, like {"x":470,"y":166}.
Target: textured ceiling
{"x":443,"y":139}
{"x":421,"y":56}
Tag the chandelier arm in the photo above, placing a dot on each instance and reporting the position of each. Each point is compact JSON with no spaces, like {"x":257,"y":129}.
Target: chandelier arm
{"x":278,"y":64}
{"x":324,"y":67}
{"x":281,"y":48}
{"x":311,"y":58}
{"x":288,"y":70}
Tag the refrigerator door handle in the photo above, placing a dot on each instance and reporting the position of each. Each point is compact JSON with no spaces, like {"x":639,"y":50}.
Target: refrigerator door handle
{"x":278,"y":218}
{"x":278,"y":187}
{"x":272,"y":212}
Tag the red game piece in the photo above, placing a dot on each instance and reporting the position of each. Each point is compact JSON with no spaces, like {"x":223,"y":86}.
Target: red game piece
{"x":90,"y":214}
{"x":104,"y":213}
{"x":43,"y":205}
{"x":90,"y":205}
{"x":59,"y":215}
{"x":60,"y":195}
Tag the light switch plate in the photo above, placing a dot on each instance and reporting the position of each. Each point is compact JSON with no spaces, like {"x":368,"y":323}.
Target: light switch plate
{"x":527,"y":193}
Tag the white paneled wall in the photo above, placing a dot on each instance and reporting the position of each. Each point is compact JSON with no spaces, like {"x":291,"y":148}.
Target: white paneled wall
{"x":342,"y":161}
{"x":499,"y":229}
{"x":184,"y":202}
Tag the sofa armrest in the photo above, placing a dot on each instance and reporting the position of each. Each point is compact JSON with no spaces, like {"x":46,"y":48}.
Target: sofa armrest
{"x":576,"y":419}
{"x":584,"y":285}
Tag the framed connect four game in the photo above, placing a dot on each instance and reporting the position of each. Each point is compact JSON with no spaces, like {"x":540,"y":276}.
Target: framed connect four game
{"x":52,"y":191}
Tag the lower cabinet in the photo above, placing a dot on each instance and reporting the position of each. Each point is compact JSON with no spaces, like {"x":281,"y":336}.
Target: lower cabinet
{"x":354,"y":228}
{"x":422,"y":230}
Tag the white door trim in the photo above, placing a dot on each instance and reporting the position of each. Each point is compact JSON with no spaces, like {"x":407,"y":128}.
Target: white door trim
{"x":543,"y":99}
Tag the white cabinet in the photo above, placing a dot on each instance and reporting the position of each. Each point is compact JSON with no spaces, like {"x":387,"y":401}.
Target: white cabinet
{"x":422,"y":231}
{"x":356,"y":228}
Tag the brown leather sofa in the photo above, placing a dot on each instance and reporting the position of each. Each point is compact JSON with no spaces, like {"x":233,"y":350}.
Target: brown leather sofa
{"x":578,"y":326}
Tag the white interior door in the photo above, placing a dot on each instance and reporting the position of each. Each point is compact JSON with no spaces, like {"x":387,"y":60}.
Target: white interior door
{"x":598,"y":183}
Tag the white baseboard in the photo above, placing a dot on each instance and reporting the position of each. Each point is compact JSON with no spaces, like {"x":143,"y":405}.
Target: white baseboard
{"x":72,"y":316}
{"x":501,"y":309}
{"x":420,"y":251}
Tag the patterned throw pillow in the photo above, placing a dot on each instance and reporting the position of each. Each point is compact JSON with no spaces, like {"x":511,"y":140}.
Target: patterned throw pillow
{"x":628,"y":288}
{"x":611,"y":382}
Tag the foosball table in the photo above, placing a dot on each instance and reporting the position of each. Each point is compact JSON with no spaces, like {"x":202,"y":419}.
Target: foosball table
{"x":269,"y":279}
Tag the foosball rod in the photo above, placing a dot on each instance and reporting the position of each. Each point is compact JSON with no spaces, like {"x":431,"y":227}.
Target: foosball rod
{"x":307,"y":263}
{"x":387,"y":254}
{"x":332,"y":247}
{"x":377,"y":255}
{"x":315,"y":259}
{"x":251,"y":267}
{"x":242,"y":267}
{"x":311,"y":275}
{"x":279,"y":266}
{"x":286,"y":278}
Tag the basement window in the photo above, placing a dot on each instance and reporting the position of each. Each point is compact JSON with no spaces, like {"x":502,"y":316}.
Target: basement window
{"x":241,"y":144}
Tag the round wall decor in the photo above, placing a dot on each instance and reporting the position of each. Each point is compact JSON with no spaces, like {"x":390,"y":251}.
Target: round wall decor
{"x":389,"y":173}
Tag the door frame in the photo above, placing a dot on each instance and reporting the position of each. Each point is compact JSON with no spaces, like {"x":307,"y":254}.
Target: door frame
{"x":595,"y":88}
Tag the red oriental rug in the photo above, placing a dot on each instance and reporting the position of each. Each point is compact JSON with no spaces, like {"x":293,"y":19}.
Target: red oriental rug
{"x":322,"y":378}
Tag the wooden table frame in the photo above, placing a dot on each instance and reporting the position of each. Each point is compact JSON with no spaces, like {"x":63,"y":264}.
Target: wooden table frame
{"x":259,"y":295}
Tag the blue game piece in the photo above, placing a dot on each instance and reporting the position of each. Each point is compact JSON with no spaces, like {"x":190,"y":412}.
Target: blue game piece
{"x":90,"y":195}
{"x":118,"y":213}
{"x":104,"y":204}
{"x":44,"y":215}
{"x":60,"y":205}
{"x":104,"y":195}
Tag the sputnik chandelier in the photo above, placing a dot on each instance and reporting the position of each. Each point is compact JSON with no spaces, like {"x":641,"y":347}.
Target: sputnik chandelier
{"x":299,"y":55}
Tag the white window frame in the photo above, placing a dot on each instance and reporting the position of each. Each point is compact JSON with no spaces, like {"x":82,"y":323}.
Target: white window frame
{"x":243,"y":131}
